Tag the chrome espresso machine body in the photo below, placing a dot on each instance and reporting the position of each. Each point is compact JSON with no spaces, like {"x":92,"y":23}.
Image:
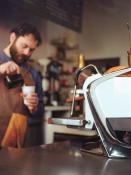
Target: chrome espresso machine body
{"x":107,"y":108}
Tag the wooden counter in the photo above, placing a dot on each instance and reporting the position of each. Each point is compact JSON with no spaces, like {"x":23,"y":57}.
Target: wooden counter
{"x":56,"y":160}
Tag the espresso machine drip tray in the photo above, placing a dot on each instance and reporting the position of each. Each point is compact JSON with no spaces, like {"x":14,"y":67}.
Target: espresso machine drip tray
{"x":74,"y":121}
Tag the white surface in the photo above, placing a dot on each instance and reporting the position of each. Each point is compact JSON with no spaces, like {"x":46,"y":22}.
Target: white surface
{"x":113,"y":97}
{"x":27,"y":90}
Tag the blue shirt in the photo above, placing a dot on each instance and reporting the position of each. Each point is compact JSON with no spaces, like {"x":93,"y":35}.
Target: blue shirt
{"x":38,"y":84}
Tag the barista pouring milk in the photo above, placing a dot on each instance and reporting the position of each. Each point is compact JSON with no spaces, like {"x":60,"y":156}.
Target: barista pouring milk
{"x":24,"y":39}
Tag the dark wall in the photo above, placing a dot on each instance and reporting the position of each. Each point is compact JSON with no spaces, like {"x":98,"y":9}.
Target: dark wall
{"x":11,"y":14}
{"x":66,"y":13}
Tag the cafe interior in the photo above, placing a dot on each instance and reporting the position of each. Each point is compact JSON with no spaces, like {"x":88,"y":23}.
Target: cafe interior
{"x":84,"y":62}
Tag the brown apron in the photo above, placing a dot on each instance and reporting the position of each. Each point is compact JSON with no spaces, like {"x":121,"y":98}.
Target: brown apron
{"x":13,"y":115}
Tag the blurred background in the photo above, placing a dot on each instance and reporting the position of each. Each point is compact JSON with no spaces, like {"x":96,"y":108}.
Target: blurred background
{"x":99,"y":31}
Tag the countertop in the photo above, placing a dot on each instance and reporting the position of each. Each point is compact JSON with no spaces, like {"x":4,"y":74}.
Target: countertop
{"x":59,"y":159}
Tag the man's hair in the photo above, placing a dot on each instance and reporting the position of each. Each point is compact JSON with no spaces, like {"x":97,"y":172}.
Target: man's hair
{"x":25,"y":29}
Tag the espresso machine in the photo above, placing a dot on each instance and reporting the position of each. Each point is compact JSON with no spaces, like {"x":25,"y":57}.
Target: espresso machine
{"x":106,"y":108}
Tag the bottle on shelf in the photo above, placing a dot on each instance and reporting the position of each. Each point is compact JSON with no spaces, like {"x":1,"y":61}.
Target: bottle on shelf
{"x":81,"y":60}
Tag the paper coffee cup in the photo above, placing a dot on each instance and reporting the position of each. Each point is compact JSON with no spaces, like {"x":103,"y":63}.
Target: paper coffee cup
{"x":27,"y":90}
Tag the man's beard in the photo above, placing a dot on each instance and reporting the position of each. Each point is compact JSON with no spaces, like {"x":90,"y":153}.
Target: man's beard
{"x":16,"y":57}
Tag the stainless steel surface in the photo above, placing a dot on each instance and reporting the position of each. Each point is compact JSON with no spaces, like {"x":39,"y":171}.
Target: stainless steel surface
{"x":73,"y":102}
{"x":57,"y":108}
{"x":69,"y":121}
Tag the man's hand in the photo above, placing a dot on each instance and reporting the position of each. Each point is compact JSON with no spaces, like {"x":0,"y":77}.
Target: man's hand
{"x":9,"y":67}
{"x":32,"y":102}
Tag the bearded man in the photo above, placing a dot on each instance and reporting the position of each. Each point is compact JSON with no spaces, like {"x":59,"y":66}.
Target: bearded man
{"x":24,"y":39}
